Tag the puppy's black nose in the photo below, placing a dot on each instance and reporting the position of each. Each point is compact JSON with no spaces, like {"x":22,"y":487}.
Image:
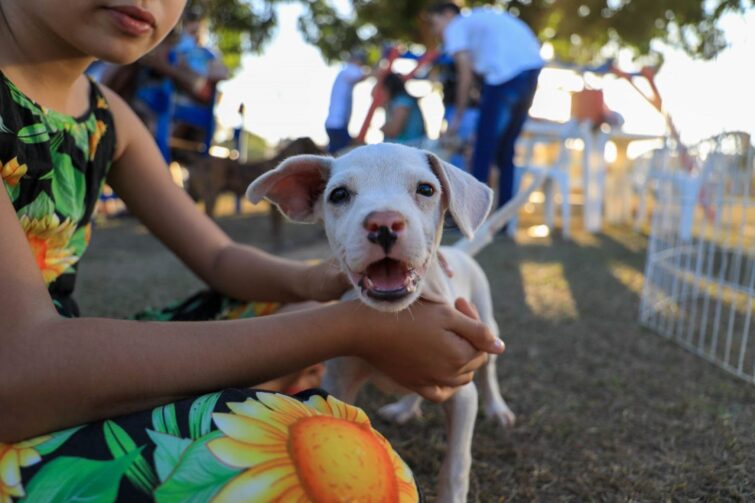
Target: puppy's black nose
{"x":383,"y":237}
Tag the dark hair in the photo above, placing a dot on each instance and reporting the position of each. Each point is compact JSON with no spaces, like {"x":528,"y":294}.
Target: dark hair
{"x":443,"y":7}
{"x":394,"y":85}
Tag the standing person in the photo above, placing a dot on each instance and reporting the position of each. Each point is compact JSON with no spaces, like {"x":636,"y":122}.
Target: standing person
{"x":505,"y":52}
{"x":193,"y":55}
{"x":404,"y":122}
{"x":160,"y":408}
{"x":463,"y":142}
{"x":339,"y":113}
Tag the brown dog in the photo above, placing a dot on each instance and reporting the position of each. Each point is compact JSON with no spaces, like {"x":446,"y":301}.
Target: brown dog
{"x":210,"y":176}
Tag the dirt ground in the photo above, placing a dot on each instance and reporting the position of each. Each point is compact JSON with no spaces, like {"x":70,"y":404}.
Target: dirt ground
{"x":607,"y":411}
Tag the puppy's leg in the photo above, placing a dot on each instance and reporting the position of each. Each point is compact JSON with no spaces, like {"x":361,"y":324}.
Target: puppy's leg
{"x":344,"y":377}
{"x":461,"y":410}
{"x":403,"y":410}
{"x":487,"y":377}
{"x":494,"y":404}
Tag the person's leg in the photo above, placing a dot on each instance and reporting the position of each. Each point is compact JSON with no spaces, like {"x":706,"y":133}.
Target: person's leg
{"x":231,"y":445}
{"x":339,"y":139}
{"x":491,"y":107}
{"x":518,"y":99}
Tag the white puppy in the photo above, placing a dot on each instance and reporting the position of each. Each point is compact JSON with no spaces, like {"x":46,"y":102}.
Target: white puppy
{"x":384,"y":207}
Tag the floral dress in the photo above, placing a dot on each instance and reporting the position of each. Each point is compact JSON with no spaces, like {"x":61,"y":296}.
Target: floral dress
{"x":233,"y":445}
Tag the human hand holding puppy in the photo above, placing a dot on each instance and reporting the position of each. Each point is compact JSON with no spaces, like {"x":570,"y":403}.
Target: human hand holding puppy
{"x":431,"y":349}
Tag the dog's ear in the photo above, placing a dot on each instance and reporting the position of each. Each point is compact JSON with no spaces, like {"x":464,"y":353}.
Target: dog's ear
{"x":293,"y":186}
{"x":468,"y":200}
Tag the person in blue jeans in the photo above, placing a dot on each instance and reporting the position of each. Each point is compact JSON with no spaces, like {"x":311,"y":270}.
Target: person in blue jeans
{"x":505,"y":52}
{"x":460,"y":156}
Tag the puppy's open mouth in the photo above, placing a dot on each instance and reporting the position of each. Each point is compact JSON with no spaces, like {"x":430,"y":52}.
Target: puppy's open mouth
{"x":388,"y":280}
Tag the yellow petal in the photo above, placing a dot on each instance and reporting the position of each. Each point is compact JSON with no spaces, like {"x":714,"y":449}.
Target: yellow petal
{"x":245,"y":430}
{"x":17,"y":490}
{"x":33,"y":442}
{"x":336,"y":408}
{"x":269,"y":420}
{"x":266,"y":485}
{"x":28,"y":457}
{"x":10,"y":474}
{"x":241,"y":455}
{"x":285,"y":405}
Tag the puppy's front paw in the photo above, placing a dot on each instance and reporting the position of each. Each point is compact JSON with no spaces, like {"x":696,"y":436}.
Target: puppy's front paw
{"x":501,"y":413}
{"x":401,"y":411}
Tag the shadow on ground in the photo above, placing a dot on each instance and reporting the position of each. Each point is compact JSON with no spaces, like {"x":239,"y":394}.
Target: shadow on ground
{"x":607,"y":411}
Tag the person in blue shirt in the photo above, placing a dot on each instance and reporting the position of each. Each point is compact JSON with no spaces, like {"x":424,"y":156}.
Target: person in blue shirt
{"x":403,"y":118}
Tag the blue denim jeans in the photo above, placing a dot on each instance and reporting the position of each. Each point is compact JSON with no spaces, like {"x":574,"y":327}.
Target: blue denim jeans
{"x":339,"y":138}
{"x":503,"y":111}
{"x":467,"y":129}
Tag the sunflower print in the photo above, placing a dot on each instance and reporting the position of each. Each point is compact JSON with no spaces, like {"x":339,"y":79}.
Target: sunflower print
{"x":13,"y":457}
{"x":52,"y":167}
{"x":49,"y":240}
{"x":321,"y":450}
{"x":224,"y":446}
{"x":12,"y":172}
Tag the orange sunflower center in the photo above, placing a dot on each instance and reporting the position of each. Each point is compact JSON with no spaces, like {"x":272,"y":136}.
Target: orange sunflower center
{"x":39,"y":249}
{"x":339,"y":460}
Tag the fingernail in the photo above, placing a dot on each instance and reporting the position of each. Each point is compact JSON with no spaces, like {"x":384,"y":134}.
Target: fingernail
{"x":498,"y":345}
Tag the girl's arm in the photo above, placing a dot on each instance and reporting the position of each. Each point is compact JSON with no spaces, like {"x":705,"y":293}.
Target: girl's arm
{"x":57,"y":372}
{"x":140,"y":177}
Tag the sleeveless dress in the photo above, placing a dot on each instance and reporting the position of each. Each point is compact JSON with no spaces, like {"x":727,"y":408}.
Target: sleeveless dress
{"x":232,"y":445}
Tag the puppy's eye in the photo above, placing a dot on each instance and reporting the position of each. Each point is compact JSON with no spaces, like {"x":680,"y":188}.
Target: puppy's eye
{"x":339,"y":195}
{"x":425,"y":189}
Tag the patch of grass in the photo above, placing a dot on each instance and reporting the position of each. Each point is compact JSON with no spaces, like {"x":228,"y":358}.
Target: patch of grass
{"x":607,"y":411}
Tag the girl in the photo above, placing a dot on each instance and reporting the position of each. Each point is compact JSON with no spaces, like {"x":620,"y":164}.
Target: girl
{"x":404,"y":122}
{"x":141,"y":389}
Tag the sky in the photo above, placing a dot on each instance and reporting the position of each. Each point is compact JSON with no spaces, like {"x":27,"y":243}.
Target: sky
{"x":286,"y":89}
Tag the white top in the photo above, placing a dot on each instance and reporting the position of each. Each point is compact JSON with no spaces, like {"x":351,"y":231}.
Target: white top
{"x":501,"y":46}
{"x":340,"y":97}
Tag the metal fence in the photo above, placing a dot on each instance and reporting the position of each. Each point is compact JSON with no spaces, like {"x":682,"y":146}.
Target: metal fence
{"x":700,"y":272}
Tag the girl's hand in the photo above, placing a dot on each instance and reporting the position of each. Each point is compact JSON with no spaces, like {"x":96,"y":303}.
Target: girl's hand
{"x":430,"y":348}
{"x":323,"y":281}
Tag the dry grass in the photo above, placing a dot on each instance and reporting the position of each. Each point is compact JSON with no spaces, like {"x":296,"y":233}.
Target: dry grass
{"x":607,"y":411}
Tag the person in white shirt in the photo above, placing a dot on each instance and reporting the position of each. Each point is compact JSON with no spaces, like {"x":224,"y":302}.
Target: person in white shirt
{"x":339,"y":113}
{"x":504,"y":51}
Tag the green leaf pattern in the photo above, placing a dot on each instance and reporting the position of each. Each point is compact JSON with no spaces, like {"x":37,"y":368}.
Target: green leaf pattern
{"x":120,"y":444}
{"x":68,"y":186}
{"x":198,"y":475}
{"x":200,"y":415}
{"x":63,"y":177}
{"x":78,"y":479}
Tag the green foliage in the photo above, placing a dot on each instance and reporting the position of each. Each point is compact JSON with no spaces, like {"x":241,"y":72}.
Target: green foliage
{"x":120,"y":444}
{"x":238,"y":26}
{"x":168,"y":452}
{"x":79,"y":479}
{"x":56,"y":440}
{"x":200,"y":415}
{"x":578,"y":29}
{"x":164,"y":420}
{"x":197,"y":475}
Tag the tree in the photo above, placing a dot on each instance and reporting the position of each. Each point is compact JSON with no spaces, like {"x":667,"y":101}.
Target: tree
{"x":579,"y":30}
{"x":238,"y":26}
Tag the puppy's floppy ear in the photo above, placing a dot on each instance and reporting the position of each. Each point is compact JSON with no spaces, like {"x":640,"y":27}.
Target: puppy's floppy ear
{"x":293,"y":186}
{"x":468,"y":199}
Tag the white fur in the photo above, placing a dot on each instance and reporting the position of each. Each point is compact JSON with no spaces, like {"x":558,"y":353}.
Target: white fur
{"x":385,"y":178}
